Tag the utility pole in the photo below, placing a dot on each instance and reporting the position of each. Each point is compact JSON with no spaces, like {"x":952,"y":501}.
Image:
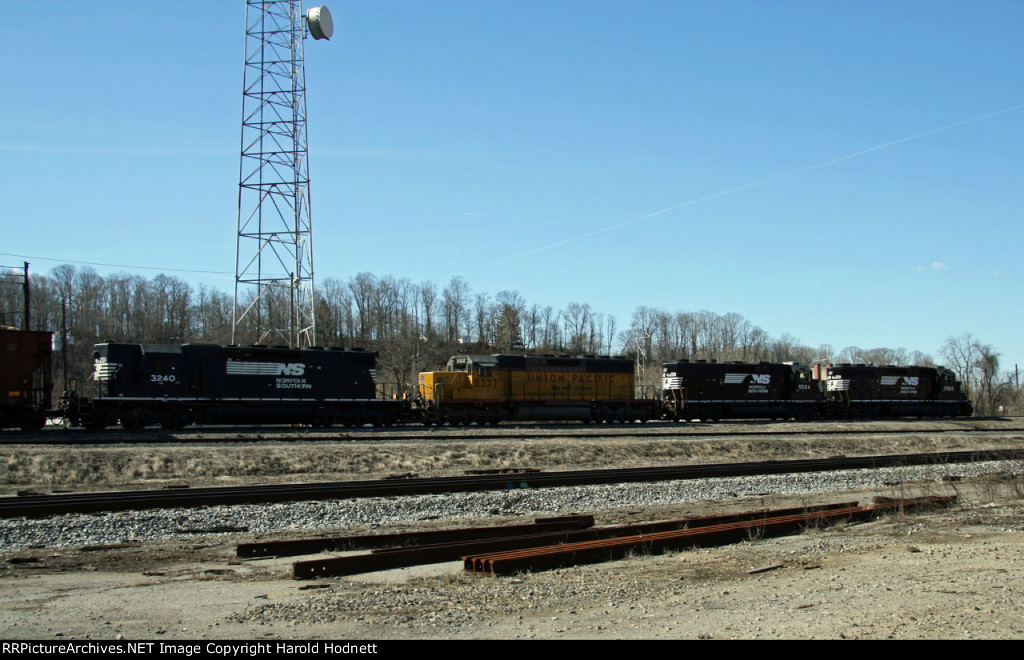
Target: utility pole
{"x":26,"y":317}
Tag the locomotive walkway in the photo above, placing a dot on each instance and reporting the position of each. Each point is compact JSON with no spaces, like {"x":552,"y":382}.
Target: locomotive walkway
{"x":45,"y":505}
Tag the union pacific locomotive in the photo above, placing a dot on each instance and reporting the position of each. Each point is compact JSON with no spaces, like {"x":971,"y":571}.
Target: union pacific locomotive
{"x":492,"y":388}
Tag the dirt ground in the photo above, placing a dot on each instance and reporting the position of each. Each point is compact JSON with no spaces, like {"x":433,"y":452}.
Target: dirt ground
{"x":950,"y":573}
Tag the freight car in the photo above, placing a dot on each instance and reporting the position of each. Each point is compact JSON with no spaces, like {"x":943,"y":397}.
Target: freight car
{"x":865,"y":391}
{"x":137,"y":385}
{"x":493,"y":388}
{"x":732,"y":390}
{"x":26,"y":378}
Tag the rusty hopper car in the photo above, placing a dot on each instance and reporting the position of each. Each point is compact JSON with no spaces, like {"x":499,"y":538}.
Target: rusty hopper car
{"x":715,"y":390}
{"x":493,"y":388}
{"x":26,"y":378}
{"x":865,"y":391}
{"x":136,"y":385}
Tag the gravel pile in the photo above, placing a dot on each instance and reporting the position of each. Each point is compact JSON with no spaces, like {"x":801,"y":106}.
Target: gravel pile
{"x":125,"y":527}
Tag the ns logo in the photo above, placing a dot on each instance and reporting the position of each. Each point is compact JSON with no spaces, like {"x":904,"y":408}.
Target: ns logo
{"x":761,"y":379}
{"x":292,"y":369}
{"x":911,"y":381}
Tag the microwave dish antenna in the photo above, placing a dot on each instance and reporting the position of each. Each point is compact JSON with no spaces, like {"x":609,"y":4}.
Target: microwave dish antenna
{"x":320,"y":23}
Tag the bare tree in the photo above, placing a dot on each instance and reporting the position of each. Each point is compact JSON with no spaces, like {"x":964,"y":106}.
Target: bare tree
{"x":456,"y":305}
{"x":977,"y":366}
{"x":484,"y":314}
{"x":428,"y":305}
{"x":576,"y":318}
{"x":508,"y":324}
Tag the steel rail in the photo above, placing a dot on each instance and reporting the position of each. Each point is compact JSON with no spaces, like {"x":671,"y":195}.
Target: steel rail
{"x":42,"y":505}
{"x":405,"y":539}
{"x":387,"y":558}
{"x":586,"y":552}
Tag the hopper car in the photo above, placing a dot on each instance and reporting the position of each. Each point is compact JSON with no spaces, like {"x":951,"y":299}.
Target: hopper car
{"x":26,"y":378}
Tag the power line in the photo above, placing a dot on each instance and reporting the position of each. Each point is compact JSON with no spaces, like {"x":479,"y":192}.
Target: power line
{"x":95,"y":263}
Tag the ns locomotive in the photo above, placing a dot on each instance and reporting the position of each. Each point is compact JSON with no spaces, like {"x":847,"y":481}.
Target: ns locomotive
{"x":137,"y":385}
{"x":712,"y":390}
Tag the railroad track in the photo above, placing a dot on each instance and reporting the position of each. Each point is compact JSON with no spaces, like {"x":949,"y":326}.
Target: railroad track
{"x":45,"y":505}
{"x":654,"y":430}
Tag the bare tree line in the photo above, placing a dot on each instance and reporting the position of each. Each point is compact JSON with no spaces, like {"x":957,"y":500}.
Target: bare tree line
{"x":417,"y":326}
{"x":976,"y":365}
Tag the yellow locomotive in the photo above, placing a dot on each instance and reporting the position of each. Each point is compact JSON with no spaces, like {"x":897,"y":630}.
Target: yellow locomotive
{"x":494,"y":388}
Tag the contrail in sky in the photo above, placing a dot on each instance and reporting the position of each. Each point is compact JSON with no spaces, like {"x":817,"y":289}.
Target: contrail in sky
{"x":764,"y":182}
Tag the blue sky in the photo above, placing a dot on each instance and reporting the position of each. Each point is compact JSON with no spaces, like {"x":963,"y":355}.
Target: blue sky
{"x":849,"y":173}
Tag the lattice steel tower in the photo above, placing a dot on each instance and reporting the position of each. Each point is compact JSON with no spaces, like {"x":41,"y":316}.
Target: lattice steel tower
{"x":274,"y":293}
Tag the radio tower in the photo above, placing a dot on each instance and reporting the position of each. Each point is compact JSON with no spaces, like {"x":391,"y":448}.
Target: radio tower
{"x":274,"y":297}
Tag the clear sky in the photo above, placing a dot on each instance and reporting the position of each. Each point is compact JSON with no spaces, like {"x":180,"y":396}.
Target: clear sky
{"x":846,"y":172}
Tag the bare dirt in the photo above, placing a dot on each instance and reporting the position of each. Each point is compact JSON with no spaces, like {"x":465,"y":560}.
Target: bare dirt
{"x":948,"y":573}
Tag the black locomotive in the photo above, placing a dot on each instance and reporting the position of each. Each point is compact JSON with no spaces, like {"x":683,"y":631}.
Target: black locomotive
{"x":730,"y":390}
{"x":734,"y":390}
{"x":137,"y":385}
{"x":864,"y":391}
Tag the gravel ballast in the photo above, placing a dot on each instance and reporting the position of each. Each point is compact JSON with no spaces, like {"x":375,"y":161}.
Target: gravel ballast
{"x":139,"y":526}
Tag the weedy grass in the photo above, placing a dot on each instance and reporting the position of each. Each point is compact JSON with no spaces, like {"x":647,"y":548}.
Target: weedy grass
{"x":195,"y":464}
